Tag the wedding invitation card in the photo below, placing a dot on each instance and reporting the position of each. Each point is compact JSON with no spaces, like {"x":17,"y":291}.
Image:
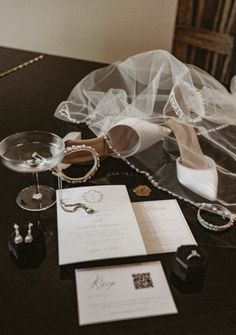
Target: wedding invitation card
{"x":122,"y":292}
{"x":111,"y":232}
{"x":162,"y":225}
{"x":117,"y":228}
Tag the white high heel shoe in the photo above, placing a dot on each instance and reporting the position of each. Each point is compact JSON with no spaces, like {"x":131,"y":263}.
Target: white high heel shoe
{"x":195,"y":171}
{"x":128,"y":137}
{"x":201,"y":181}
{"x":131,"y":135}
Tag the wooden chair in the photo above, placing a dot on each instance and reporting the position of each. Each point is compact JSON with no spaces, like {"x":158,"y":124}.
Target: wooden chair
{"x":205,"y":36}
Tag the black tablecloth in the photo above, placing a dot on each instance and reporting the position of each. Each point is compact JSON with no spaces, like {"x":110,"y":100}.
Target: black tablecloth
{"x":42,"y":300}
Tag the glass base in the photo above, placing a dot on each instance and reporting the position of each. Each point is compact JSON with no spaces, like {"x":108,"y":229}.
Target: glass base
{"x":31,"y":201}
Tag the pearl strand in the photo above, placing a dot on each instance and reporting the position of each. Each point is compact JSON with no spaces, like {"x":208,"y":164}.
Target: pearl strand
{"x":87,"y":121}
{"x":65,"y":113}
{"x":202,"y":132}
{"x":223,"y":212}
{"x":145,"y":173}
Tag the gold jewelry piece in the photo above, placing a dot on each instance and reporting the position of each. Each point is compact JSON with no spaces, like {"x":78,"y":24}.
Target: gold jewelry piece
{"x":20,"y":66}
{"x":142,"y":191}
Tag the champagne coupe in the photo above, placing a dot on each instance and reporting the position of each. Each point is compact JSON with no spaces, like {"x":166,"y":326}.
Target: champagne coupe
{"x":33,"y":152}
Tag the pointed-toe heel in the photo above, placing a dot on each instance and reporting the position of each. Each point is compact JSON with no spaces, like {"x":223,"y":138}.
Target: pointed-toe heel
{"x":203,"y":182}
{"x":132,"y":135}
{"x":195,"y":171}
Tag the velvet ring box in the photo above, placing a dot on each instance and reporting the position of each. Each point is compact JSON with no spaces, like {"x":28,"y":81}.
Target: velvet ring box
{"x":189,"y":267}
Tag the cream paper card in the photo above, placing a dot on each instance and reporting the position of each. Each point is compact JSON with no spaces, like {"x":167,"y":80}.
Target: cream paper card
{"x":122,"y":292}
{"x":162,"y":225}
{"x":111,"y":232}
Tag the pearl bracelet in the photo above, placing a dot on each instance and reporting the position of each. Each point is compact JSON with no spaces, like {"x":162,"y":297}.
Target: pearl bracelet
{"x":90,"y":173}
{"x":217,"y":209}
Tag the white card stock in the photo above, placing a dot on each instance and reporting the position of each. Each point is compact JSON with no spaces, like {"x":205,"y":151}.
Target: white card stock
{"x":162,"y":225}
{"x":122,"y":292}
{"x":111,"y":232}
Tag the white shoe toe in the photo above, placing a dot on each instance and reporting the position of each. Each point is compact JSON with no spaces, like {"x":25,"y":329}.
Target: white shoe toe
{"x":204,"y":182}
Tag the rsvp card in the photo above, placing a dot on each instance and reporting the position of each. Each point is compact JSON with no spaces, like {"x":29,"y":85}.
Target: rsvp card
{"x":112,"y":231}
{"x":122,"y":292}
{"x":163,"y":225}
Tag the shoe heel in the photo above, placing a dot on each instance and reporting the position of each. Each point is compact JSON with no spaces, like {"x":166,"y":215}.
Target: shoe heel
{"x":171,"y":147}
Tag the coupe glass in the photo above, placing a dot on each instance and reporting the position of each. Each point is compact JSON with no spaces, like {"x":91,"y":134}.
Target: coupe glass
{"x":33,"y":152}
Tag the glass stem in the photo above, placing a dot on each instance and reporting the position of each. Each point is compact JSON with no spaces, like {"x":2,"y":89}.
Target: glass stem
{"x":37,"y":195}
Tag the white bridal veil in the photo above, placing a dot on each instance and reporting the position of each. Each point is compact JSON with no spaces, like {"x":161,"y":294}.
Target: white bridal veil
{"x":171,"y":121}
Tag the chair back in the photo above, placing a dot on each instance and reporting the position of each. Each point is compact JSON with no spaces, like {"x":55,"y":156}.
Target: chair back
{"x":205,"y":36}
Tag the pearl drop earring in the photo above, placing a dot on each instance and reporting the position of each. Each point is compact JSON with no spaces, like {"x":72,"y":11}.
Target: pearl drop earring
{"x":18,"y":238}
{"x":29,"y":237}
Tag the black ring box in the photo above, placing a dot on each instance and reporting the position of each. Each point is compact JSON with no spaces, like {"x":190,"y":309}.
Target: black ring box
{"x":188,"y":273}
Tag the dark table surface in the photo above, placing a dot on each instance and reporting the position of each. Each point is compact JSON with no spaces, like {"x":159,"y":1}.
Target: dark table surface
{"x":42,"y":299}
